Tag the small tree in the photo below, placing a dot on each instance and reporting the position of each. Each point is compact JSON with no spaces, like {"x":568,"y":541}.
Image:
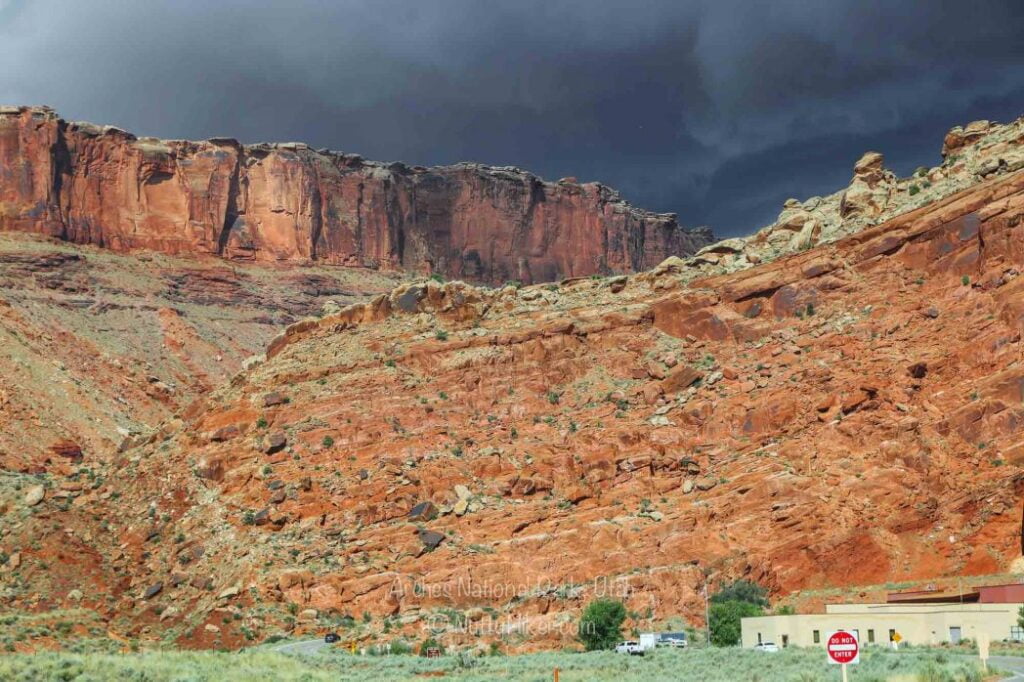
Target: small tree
{"x":735,"y":601}
{"x":431,"y":643}
{"x":601,"y":624}
{"x":1020,"y":617}
{"x":726,"y":619}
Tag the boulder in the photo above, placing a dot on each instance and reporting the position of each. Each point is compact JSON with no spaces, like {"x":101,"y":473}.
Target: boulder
{"x":706,"y":483}
{"x":431,"y":539}
{"x":68,"y":449}
{"x":868,"y":193}
{"x":424,"y":511}
{"x":275,"y":443}
{"x":34,"y":495}
{"x":225,"y":433}
{"x":273,"y":399}
{"x":230,"y":591}
{"x":681,"y":377}
{"x":211,"y":470}
{"x":960,"y":137}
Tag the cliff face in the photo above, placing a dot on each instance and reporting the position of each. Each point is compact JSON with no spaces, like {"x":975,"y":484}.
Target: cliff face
{"x":287,"y":202}
{"x":826,"y":421}
{"x":844,"y":416}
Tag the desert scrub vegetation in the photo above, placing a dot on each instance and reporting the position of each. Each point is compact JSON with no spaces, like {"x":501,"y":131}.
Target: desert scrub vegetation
{"x":727,"y":664}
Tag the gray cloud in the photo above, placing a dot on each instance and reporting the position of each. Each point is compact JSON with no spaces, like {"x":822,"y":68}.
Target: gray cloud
{"x":718,"y":110}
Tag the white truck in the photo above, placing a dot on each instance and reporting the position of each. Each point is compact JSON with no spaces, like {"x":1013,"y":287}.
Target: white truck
{"x":630,"y":646}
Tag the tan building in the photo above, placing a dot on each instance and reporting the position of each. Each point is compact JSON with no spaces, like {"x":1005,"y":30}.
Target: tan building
{"x":918,"y":618}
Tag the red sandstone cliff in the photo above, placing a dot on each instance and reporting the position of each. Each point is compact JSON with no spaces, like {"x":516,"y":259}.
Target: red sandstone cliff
{"x":287,"y":202}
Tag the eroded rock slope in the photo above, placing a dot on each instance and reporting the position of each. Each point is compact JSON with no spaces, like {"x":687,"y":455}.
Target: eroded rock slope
{"x":98,"y":348}
{"x":845,"y":415}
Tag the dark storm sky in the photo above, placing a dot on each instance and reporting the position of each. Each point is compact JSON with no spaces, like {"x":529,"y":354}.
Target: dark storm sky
{"x":718,"y":111}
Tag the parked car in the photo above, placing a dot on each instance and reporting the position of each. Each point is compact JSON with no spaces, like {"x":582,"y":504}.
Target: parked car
{"x":769,"y":647}
{"x":673,"y":639}
{"x":331,"y":638}
{"x":631,"y":647}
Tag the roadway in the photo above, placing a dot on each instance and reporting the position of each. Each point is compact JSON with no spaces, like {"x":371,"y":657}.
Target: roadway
{"x":1011,"y":664}
{"x":306,"y":647}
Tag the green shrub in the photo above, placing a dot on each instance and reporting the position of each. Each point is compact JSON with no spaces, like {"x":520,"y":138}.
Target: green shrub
{"x":336,"y":664}
{"x":430,"y":643}
{"x":399,"y":648}
{"x":744,"y":591}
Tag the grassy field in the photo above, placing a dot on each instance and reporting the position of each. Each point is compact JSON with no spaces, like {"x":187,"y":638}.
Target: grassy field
{"x":710,"y":665}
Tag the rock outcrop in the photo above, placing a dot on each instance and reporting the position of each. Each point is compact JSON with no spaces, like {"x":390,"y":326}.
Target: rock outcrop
{"x":971,"y":154}
{"x":287,"y":202}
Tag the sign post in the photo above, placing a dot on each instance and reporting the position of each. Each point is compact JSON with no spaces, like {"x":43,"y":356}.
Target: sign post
{"x":983,"y":650}
{"x":842,"y":649}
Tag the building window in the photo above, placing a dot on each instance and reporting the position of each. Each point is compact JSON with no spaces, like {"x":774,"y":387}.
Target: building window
{"x":817,"y":636}
{"x":1017,"y":633}
{"x":892,"y":635}
{"x":871,"y":636}
{"x":759,"y":638}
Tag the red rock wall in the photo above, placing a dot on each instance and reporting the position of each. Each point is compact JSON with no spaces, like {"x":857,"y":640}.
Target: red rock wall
{"x":287,"y":202}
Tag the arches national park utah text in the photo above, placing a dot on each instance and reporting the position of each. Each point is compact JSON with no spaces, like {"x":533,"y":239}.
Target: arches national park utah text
{"x":540,"y":340}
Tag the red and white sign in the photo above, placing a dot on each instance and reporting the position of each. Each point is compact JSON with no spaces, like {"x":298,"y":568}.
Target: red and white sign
{"x":843,"y":647}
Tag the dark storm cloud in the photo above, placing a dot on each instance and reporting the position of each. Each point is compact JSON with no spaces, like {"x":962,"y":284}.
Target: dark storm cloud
{"x":718,"y":110}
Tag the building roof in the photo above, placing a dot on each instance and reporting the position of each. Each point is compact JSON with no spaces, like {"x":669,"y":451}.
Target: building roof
{"x":1009,"y":593}
{"x":932,"y":597}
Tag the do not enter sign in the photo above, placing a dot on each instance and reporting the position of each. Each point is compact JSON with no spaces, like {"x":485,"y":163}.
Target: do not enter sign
{"x":843,"y":647}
